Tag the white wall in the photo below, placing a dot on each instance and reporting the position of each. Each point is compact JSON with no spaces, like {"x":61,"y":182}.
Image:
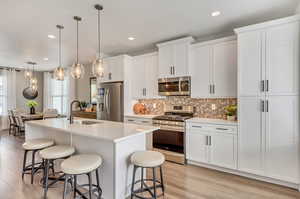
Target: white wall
{"x":298,"y":9}
{"x":21,"y":83}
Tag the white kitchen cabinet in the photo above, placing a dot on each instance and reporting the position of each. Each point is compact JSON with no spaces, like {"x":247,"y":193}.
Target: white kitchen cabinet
{"x":214,"y":69}
{"x":251,"y":137}
{"x":225,"y":69}
{"x":282,"y":59}
{"x":173,"y":58}
{"x":113,"y":69}
{"x":144,"y":78}
{"x":212,"y":144}
{"x":268,"y":99}
{"x":250,"y":58}
{"x":223,"y":150}
{"x":201,"y":71}
{"x":197,"y":145}
{"x":282,"y":138}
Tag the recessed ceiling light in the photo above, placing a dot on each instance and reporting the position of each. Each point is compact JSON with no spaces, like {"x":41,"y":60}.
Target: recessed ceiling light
{"x":51,"y":37}
{"x":46,"y":59}
{"x":131,"y":38}
{"x":215,"y":13}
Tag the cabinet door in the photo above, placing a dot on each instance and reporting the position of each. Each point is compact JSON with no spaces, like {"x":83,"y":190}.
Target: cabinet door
{"x":282,"y":139}
{"x":225,"y":69}
{"x":181,"y":59}
{"x":138,"y":78}
{"x":200,"y":70}
{"x":166,"y":61}
{"x":282,"y":59}
{"x":196,"y":146}
{"x":151,"y":76}
{"x":250,"y":63}
{"x":116,"y":65}
{"x":223,"y":150}
{"x":251,"y":137}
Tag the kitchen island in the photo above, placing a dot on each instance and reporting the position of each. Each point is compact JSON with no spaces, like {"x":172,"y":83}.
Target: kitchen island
{"x":114,"y":141}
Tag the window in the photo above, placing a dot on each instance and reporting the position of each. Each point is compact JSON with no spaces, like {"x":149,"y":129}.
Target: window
{"x":59,"y":95}
{"x":2,"y":95}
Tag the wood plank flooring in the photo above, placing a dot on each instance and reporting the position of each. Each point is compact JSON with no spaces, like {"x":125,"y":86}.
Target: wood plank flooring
{"x":182,"y":182}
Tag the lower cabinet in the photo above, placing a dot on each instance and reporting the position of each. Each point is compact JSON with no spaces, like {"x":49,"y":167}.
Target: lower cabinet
{"x":212,"y":144}
{"x":141,"y":121}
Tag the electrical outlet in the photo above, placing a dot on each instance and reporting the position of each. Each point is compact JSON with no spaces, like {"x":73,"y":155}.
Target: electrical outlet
{"x":213,"y":107}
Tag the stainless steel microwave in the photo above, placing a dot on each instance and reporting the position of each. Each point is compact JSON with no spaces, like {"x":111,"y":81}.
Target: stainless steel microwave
{"x":177,"y":86}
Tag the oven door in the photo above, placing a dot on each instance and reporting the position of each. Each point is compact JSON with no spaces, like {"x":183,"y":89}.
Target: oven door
{"x":169,"y":140}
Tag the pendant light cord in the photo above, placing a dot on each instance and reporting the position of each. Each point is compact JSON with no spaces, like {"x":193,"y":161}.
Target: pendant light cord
{"x":77,"y":43}
{"x":59,"y":47}
{"x":99,"y":33}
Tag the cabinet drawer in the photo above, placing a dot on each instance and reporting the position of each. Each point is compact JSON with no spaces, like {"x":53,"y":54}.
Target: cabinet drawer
{"x":211,"y":128}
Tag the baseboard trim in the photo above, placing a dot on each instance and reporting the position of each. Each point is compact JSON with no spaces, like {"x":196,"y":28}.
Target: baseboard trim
{"x":247,"y":175}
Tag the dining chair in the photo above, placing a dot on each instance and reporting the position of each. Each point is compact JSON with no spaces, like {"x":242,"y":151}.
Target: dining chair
{"x":12,"y":124}
{"x":20,"y":125}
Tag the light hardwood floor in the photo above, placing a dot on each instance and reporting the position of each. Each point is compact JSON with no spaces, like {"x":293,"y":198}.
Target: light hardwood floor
{"x":182,"y":182}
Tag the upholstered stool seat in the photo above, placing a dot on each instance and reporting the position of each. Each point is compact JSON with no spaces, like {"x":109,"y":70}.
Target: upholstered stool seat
{"x":36,"y":144}
{"x":83,"y":164}
{"x":80,"y":164}
{"x":147,"y":159}
{"x":57,"y":152}
{"x":51,"y":154}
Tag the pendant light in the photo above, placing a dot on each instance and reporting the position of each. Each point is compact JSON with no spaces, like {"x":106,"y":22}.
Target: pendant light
{"x":97,"y":67}
{"x":33,"y":83}
{"x":77,"y":70}
{"x":59,"y":72}
{"x":27,"y":73}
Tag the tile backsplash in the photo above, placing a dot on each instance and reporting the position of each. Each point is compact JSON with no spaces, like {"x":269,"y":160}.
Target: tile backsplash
{"x":205,"y":108}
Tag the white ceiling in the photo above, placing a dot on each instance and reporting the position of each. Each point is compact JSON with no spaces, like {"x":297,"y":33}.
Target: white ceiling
{"x":24,"y":25}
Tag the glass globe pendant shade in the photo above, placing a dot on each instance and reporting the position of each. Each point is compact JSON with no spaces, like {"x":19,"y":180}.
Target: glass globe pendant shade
{"x":34,"y":87}
{"x":97,"y":68}
{"x":33,"y":81}
{"x":59,"y":73}
{"x":27,"y":74}
{"x":77,"y":71}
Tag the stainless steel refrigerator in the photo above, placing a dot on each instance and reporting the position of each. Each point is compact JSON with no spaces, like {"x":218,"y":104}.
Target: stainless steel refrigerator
{"x":110,"y":102}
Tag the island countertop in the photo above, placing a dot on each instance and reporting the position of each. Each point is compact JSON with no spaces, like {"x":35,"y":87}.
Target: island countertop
{"x":106,"y":130}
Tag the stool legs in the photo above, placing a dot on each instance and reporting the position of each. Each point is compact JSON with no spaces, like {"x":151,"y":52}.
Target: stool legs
{"x":65,"y":186}
{"x":151,"y":190}
{"x":98,"y":184}
{"x":46,"y":177}
{"x":33,"y":166}
{"x":162,"y":180}
{"x":24,"y":163}
{"x":90,"y":185}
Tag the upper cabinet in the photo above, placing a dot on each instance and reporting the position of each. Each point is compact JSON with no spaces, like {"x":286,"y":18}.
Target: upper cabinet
{"x":213,"y":69}
{"x":173,"y":58}
{"x":269,"y":60}
{"x":114,"y":68}
{"x":144,"y":76}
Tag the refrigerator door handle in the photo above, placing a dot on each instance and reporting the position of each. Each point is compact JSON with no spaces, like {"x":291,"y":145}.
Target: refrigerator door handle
{"x":108,"y":101}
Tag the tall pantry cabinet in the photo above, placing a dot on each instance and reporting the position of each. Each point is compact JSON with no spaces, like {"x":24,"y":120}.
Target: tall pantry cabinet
{"x":268,"y":97}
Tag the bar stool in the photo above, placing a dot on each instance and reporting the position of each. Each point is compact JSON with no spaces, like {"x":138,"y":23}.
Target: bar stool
{"x":151,"y":160}
{"x":82,"y":164}
{"x":34,"y":146}
{"x":51,"y":154}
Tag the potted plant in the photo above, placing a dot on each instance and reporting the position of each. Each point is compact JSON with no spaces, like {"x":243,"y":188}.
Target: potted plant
{"x":83,"y":105}
{"x":231,"y":112}
{"x":32,"y":104}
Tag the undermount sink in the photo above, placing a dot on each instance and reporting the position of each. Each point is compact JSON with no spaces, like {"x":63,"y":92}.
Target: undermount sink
{"x":89,"y":122}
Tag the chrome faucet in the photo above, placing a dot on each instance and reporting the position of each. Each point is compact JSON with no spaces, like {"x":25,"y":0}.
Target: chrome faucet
{"x":71,"y":107}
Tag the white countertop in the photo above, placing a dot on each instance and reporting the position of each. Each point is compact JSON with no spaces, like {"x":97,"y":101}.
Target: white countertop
{"x":140,"y":116}
{"x":212,"y":121}
{"x":107,"y":130}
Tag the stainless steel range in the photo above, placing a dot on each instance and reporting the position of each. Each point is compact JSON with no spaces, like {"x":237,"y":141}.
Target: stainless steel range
{"x":170,"y":138}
